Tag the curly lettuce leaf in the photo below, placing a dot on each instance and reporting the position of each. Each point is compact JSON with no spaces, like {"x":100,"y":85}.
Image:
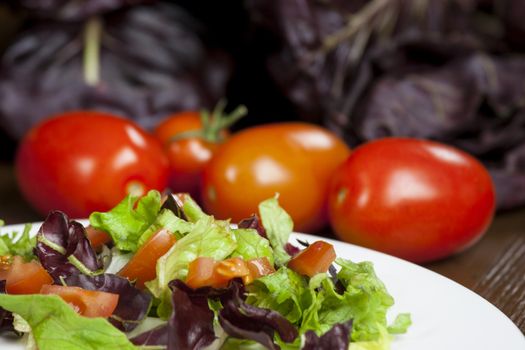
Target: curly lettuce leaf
{"x":18,"y":244}
{"x":208,"y":238}
{"x":169,"y":221}
{"x":278,"y":226}
{"x":251,"y":245}
{"x":55,"y":325}
{"x":129,"y":219}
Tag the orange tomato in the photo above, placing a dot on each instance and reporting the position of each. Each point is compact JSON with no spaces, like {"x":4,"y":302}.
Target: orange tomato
{"x":258,"y":267}
{"x":292,"y":159}
{"x":142,"y":266}
{"x":88,"y":303}
{"x":314,"y":259}
{"x":26,"y":277}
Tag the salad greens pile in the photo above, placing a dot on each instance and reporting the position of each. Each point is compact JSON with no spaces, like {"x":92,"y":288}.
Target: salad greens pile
{"x":345,"y":308}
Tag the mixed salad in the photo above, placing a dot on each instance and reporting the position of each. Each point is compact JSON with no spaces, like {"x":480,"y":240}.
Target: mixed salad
{"x":159,"y":273}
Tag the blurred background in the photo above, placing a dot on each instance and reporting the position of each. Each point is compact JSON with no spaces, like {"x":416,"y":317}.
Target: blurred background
{"x":450,"y":70}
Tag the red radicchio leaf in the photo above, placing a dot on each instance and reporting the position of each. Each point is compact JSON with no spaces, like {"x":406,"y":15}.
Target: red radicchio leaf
{"x":337,"y":338}
{"x":253,"y":222}
{"x":191,"y":322}
{"x":133,"y":304}
{"x":155,"y":336}
{"x":241,"y":320}
{"x":57,"y":230}
{"x":6,"y":317}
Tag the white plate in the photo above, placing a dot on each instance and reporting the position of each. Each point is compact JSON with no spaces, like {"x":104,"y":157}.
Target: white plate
{"x":445,"y":315}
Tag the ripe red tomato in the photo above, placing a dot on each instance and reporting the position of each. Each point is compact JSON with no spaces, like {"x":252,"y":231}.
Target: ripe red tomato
{"x":416,"y":199}
{"x":190,"y":139}
{"x":84,"y":161}
{"x":292,"y":159}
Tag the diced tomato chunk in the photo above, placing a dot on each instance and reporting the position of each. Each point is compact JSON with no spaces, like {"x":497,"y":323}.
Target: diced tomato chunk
{"x":26,"y":277}
{"x":96,"y":237}
{"x":142,"y":266}
{"x":314,"y":259}
{"x":88,"y":303}
{"x":201,"y":273}
{"x":258,"y":267}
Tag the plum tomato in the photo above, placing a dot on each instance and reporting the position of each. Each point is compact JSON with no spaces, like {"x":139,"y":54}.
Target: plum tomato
{"x":190,"y":139}
{"x":295,"y":160}
{"x":86,"y":161}
{"x":416,"y":199}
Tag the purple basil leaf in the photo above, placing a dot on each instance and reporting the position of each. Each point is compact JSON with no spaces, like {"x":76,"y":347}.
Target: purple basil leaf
{"x":191,"y":322}
{"x":133,"y":304}
{"x":253,"y":222}
{"x":155,"y":336}
{"x":6,"y":317}
{"x":70,"y":236}
{"x":241,"y":320}
{"x":337,"y":338}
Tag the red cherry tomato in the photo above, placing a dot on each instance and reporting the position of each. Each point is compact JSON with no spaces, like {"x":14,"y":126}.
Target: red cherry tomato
{"x":292,"y":159}
{"x":415,"y":199}
{"x":81,"y":162}
{"x":190,"y":139}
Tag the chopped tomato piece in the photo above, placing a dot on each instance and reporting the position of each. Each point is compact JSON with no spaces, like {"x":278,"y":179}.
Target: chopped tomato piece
{"x":258,"y":267}
{"x":26,"y":277}
{"x":142,"y":266}
{"x":201,"y":273}
{"x":314,"y":259}
{"x":206,"y":272}
{"x":96,"y":237}
{"x":89,"y":303}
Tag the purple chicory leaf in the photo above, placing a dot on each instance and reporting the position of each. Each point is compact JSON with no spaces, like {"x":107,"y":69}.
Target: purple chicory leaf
{"x":191,"y":322}
{"x":175,"y":204}
{"x":255,"y":223}
{"x":155,"y":336}
{"x":241,"y":320}
{"x":337,"y":338}
{"x":6,"y":317}
{"x":133,"y":304}
{"x":63,"y":248}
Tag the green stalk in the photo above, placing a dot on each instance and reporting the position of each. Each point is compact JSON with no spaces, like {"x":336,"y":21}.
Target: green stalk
{"x":92,"y":39}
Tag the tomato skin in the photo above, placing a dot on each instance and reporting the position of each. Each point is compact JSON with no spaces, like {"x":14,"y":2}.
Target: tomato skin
{"x":416,"y":199}
{"x":88,"y":303}
{"x":201,"y":273}
{"x":26,"y":278}
{"x":292,"y":159}
{"x":86,"y":161}
{"x":142,"y":266}
{"x":314,"y":259}
{"x":96,"y":237}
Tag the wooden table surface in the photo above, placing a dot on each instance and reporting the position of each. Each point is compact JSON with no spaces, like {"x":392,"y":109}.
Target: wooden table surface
{"x":494,"y":267}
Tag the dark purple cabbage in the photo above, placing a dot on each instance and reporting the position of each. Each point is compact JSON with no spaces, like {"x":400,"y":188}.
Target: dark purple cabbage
{"x":6,"y":317}
{"x":444,"y":70}
{"x":174,"y":203}
{"x":337,"y":338}
{"x":245,"y":321}
{"x":153,"y":62}
{"x":71,"y":10}
{"x":71,"y":237}
{"x":133,"y":304}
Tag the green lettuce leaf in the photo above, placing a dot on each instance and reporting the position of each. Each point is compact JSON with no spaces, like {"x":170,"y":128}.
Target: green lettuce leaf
{"x":15,"y":244}
{"x":208,"y":238}
{"x":192,"y":210}
{"x":55,"y":325}
{"x":278,"y":225}
{"x":284,"y":291}
{"x":251,"y":245}
{"x":128,"y":220}
{"x":167,"y":220}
